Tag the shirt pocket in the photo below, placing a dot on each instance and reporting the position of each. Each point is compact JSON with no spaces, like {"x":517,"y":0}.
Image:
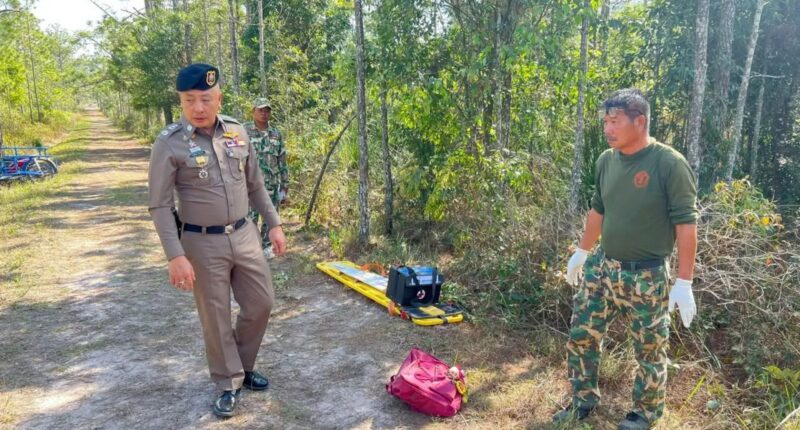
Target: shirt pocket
{"x":237,"y":159}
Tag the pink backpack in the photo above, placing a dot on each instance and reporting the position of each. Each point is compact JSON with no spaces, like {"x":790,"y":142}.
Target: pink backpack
{"x":428,"y":385}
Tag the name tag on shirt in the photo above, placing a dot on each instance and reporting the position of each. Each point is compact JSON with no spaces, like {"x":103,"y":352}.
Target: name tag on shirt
{"x":196,"y":151}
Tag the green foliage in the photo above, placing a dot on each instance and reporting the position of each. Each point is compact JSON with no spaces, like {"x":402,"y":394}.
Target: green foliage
{"x":747,"y":207}
{"x":38,"y":72}
{"x":492,"y":212}
{"x":747,"y":280}
{"x":782,"y":390}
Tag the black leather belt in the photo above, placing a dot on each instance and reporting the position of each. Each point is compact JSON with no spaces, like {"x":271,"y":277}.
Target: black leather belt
{"x":632,"y":266}
{"x":215,"y":229}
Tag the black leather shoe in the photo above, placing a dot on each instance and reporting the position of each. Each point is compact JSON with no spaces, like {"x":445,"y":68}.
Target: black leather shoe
{"x":634,"y":421}
{"x":255,"y":381}
{"x":226,"y":403}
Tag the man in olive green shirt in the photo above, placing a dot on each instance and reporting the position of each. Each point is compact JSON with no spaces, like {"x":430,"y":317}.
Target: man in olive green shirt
{"x":645,"y":200}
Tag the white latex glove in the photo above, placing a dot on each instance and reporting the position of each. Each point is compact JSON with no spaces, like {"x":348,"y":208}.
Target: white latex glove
{"x":575,"y":264}
{"x":682,"y":296}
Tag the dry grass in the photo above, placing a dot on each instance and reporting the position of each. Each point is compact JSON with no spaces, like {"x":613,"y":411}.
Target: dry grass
{"x":509,"y":276}
{"x":25,"y":237}
{"x":513,"y":349}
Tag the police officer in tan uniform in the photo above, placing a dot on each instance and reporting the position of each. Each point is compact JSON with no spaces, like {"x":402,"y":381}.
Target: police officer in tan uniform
{"x":213,"y":247}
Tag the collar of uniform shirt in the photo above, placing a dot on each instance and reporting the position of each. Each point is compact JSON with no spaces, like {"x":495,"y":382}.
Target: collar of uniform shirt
{"x":207,"y":131}
{"x":212,"y":131}
{"x":262,"y":130}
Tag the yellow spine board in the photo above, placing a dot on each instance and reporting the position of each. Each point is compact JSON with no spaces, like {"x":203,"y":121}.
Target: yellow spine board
{"x":380,"y":298}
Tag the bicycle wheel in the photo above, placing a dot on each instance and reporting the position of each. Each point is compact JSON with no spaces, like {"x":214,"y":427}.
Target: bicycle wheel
{"x":40,"y":168}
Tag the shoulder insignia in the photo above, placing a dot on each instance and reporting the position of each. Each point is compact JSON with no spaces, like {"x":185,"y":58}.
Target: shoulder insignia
{"x":170,"y":129}
{"x":227,"y":118}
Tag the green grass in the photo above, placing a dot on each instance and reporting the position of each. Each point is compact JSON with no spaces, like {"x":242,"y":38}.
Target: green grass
{"x":80,"y":349}
{"x":291,"y":412}
{"x":280,"y":279}
{"x":125,"y":194}
{"x":21,"y":225}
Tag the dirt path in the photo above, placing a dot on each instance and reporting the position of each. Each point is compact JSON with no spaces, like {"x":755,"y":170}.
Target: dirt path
{"x":92,"y":336}
{"x":117,"y":347}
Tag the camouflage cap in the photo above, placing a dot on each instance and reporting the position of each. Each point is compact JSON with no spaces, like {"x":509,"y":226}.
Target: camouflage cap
{"x":261,"y":102}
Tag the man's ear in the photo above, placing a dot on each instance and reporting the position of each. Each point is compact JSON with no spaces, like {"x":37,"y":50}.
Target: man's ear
{"x":641,"y":123}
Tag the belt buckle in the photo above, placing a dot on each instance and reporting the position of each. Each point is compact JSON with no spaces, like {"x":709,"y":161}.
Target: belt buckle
{"x":230,"y":228}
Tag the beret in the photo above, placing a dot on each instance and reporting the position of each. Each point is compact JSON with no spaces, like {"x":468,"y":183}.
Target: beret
{"x":197,"y":77}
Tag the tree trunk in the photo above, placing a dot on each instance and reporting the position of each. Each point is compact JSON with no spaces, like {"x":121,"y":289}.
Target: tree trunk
{"x":150,"y":6}
{"x":783,"y":107}
{"x":605,"y":13}
{"x":34,"y":79}
{"x":723,"y":66}
{"x":654,"y":100}
{"x":695,"y":154}
{"x":234,"y":46}
{"x":757,"y":132}
{"x":119,"y":105}
{"x":187,"y":34}
{"x":39,"y":115}
{"x":206,"y":30}
{"x":30,"y":95}
{"x":499,"y":132}
{"x":167,"y":109}
{"x":388,"y":200}
{"x":322,"y":170}
{"x":506,"y":32}
{"x":740,"y":103}
{"x":261,"y":70}
{"x":470,"y":125}
{"x":434,"y":18}
{"x":504,"y":120}
{"x":363,"y":154}
{"x":486,"y":122}
{"x":220,"y":63}
{"x":579,"y":128}
{"x":491,"y":72}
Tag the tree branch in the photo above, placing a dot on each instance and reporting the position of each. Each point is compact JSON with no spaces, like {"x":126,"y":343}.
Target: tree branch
{"x":99,"y":6}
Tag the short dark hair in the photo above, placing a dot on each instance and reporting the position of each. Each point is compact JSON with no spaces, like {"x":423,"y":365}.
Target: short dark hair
{"x":632,"y":101}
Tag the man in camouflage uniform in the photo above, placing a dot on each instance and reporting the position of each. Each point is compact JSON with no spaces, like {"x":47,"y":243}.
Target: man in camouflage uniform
{"x":645,"y":200}
{"x":268,"y":143}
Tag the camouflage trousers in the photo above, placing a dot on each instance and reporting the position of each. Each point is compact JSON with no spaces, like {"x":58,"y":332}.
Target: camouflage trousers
{"x":641,"y":296}
{"x":275,"y":196}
